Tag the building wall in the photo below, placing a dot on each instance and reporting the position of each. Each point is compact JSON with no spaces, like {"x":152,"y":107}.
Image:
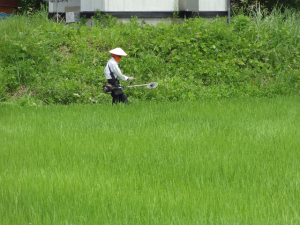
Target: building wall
{"x":149,"y":9}
{"x":141,"y":5}
{"x":62,"y":5}
{"x":182,"y":5}
{"x":93,"y":5}
{"x":203,"y":5}
{"x":213,"y":5}
{"x":129,"y":5}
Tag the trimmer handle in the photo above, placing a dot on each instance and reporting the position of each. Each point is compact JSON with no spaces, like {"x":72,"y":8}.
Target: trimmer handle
{"x":132,"y":81}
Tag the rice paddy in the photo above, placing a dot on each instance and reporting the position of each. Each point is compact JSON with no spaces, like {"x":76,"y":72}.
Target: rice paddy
{"x":205,"y":162}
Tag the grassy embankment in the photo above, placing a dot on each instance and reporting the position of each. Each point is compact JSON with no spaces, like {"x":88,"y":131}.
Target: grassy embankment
{"x":45,"y":62}
{"x":208,"y":162}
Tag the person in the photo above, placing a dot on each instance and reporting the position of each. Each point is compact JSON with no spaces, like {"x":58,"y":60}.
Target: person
{"x":113,"y":74}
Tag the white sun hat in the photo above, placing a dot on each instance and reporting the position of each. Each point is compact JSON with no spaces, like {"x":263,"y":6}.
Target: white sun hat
{"x":118,"y":51}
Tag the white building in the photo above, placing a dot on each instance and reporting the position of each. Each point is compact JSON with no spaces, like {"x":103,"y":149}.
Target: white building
{"x":152,"y":11}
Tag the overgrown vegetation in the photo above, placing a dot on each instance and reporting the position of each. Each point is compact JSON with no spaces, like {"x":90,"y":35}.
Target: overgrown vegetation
{"x":266,"y":4}
{"x":31,"y":6}
{"x":46,"y":62}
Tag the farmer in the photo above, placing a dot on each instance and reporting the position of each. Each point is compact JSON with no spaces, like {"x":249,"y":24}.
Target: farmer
{"x":113,"y":73}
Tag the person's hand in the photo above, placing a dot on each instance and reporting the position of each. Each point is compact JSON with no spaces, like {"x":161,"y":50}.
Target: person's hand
{"x":131,"y":79}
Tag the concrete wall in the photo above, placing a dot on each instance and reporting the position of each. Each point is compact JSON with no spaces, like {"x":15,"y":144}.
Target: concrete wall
{"x":129,"y":5}
{"x":141,"y":5}
{"x":192,"y":5}
{"x":93,"y":5}
{"x":182,"y":5}
{"x":62,"y":5}
{"x":203,"y":5}
{"x":213,"y":5}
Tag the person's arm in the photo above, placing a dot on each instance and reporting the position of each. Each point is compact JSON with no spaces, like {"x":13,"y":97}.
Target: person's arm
{"x":117,"y":72}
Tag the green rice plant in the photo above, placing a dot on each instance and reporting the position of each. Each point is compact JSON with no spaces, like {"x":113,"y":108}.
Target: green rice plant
{"x":3,"y":87}
{"x":205,"y":162}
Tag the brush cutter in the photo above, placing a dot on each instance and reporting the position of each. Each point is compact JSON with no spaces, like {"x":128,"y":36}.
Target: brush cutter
{"x":108,"y":88}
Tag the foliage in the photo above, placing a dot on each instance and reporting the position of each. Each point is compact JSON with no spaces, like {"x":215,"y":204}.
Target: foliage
{"x":104,"y":20}
{"x":49,"y":62}
{"x":268,"y":4}
{"x":31,"y":6}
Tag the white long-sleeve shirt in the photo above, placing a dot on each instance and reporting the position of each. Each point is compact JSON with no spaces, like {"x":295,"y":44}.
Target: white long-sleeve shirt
{"x":114,"y":67}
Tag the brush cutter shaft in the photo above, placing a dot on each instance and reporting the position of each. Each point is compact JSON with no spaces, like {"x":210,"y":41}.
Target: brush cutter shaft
{"x":130,"y":86}
{"x":149,"y":86}
{"x":108,"y":88}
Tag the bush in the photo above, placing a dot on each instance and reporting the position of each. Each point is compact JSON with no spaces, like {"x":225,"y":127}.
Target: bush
{"x":254,"y":56}
{"x":268,"y":4}
{"x":31,"y":6}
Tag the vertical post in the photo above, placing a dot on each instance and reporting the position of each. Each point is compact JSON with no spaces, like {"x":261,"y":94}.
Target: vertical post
{"x":257,"y":7}
{"x":229,"y":6}
{"x":57,"y":11}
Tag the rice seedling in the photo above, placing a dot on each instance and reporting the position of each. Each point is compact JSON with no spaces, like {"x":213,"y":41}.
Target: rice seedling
{"x":207,"y":162}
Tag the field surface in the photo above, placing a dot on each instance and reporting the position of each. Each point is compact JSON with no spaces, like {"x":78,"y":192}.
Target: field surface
{"x":205,"y":162}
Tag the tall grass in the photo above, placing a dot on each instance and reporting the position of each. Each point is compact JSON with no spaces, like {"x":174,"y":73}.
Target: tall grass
{"x":257,"y":56}
{"x":208,"y":162}
{"x":279,"y":32}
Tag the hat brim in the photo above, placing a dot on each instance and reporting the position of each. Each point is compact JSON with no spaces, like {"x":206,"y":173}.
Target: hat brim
{"x":118,"y":51}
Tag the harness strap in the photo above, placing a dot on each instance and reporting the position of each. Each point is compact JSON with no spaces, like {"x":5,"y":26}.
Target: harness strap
{"x":115,"y":81}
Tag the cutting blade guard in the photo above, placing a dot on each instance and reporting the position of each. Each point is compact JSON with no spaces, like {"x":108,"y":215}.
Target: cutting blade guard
{"x":152,"y":85}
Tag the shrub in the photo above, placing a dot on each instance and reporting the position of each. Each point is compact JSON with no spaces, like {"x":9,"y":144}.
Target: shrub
{"x":254,"y":56}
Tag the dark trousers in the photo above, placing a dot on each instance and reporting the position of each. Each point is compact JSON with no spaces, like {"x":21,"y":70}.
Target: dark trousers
{"x":117,"y":98}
